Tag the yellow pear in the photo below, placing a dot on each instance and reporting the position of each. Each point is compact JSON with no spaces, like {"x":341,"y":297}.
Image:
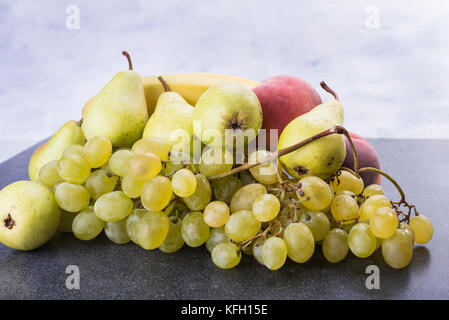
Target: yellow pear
{"x":171,"y":120}
{"x":67,"y":134}
{"x":118,"y":111}
{"x":322,"y":157}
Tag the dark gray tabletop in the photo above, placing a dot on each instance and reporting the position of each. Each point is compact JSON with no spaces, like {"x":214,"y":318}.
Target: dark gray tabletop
{"x":109,"y":271}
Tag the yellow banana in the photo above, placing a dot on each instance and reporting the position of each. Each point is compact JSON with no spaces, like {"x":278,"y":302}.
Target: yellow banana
{"x":189,"y":85}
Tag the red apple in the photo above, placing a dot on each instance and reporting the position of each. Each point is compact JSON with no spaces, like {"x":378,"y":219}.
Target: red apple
{"x":283,"y":98}
{"x":366,"y":155}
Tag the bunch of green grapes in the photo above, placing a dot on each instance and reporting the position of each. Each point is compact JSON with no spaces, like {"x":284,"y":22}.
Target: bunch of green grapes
{"x":155,"y":197}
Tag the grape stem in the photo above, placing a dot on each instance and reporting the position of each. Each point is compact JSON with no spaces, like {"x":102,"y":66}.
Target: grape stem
{"x":396,"y":204}
{"x":398,"y":187}
{"x":279,"y":153}
{"x":263,"y":234}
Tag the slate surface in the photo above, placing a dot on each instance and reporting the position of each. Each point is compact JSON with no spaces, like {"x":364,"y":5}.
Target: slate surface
{"x":109,"y":271}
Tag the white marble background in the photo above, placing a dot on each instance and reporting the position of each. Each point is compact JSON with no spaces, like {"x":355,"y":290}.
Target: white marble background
{"x":392,"y":73}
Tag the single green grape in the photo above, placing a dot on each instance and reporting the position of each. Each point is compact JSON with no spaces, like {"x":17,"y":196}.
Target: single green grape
{"x":397,"y":250}
{"x":216,"y":214}
{"x":72,"y":197}
{"x":225,"y":188}
{"x":384,"y":222}
{"x":242,"y":225}
{"x":345,"y":227}
{"x":152,"y":230}
{"x":347,"y":181}
{"x":108,"y":170}
{"x":73,"y":149}
{"x":132,"y":221}
{"x":67,"y":220}
{"x":215,"y":161}
{"x":372,"y":190}
{"x":48,"y":174}
{"x":156,"y":193}
{"x":226,"y":255}
{"x":281,"y":220}
{"x":118,"y":163}
{"x":300,"y":242}
{"x":314,"y":193}
{"x":97,"y":151}
{"x":86,"y":225}
{"x":248,"y":248}
{"x":174,"y":241}
{"x":266,"y":207}
{"x":244,"y":198}
{"x":202,"y":195}
{"x":170,"y":167}
{"x":274,"y":253}
{"x":154,"y":145}
{"x":99,"y":183}
{"x":132,"y":187}
{"x":183,"y":151}
{"x":317,"y":222}
{"x":335,"y":245}
{"x":344,"y":208}
{"x":181,"y":209}
{"x":113,"y":206}
{"x":257,"y":250}
{"x":216,"y":236}
{"x":116,"y":231}
{"x":266,"y":173}
{"x":361,"y":240}
{"x":346,"y":193}
{"x":422,"y":228}
{"x":143,"y":166}
{"x":370,"y":206}
{"x":194,"y":230}
{"x":183,"y":183}
{"x":73,"y":168}
{"x":246,"y":177}
{"x":378,"y":243}
{"x":409,"y":231}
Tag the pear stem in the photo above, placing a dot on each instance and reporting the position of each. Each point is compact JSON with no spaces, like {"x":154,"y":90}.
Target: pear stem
{"x":284,"y":151}
{"x":328,"y":89}
{"x":130,"y":64}
{"x":346,"y":133}
{"x":164,"y":84}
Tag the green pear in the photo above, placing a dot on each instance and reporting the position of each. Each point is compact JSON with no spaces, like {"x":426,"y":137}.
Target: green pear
{"x":228,"y":114}
{"x":29,"y":215}
{"x":171,"y":120}
{"x":118,"y":111}
{"x":322,"y":157}
{"x":67,"y":134}
{"x":168,"y":98}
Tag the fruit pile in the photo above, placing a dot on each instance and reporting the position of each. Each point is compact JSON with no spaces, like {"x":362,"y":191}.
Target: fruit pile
{"x":170,"y":174}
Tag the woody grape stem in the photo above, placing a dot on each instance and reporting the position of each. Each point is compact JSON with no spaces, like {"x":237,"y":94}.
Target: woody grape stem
{"x":289,"y":149}
{"x":396,"y":204}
